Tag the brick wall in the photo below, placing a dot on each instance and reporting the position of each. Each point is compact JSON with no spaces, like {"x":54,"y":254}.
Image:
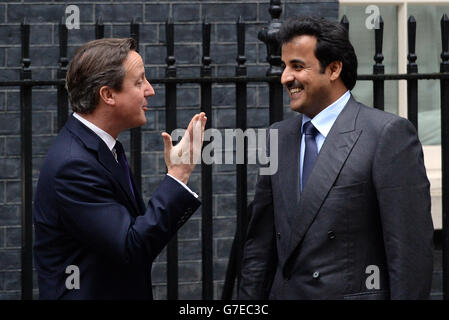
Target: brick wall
{"x":43,"y":17}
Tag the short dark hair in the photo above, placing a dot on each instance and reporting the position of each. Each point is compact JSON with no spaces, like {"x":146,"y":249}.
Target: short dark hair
{"x":332,"y":43}
{"x":95,"y":64}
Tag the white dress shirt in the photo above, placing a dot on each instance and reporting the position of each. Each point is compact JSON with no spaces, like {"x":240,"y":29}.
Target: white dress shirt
{"x":323,"y":122}
{"x":110,"y":142}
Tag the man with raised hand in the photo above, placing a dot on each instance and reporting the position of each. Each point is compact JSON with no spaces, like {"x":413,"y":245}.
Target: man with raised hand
{"x":94,"y":238}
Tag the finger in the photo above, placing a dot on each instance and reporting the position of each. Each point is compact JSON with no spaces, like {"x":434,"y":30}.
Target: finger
{"x":203,"y":126}
{"x":192,"y":122}
{"x":195,"y":145}
{"x":188,"y":136}
{"x":198,"y":137}
{"x":167,"y":141}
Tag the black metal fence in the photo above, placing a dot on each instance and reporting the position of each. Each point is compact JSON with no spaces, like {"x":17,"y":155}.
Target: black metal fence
{"x":272,"y":77}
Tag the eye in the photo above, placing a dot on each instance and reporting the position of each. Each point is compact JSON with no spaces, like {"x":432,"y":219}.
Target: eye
{"x":298,"y":67}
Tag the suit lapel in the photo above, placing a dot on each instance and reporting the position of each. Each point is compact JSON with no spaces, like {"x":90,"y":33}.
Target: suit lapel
{"x":333,"y":154}
{"x":139,"y":199}
{"x":290,"y":144}
{"x":105,"y":157}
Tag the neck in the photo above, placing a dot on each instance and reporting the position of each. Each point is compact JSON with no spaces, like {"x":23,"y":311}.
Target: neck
{"x":102,"y":120}
{"x":334,"y":94}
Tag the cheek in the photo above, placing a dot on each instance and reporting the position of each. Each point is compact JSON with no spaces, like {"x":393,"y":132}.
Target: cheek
{"x":136,"y":94}
{"x":311,"y":82}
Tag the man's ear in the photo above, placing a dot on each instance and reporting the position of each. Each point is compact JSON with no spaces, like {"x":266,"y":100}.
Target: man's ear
{"x":334,"y":68}
{"x":107,"y":95}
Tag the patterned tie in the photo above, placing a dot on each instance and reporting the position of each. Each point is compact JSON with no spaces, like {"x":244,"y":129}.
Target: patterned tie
{"x":311,"y":151}
{"x":121,"y":158}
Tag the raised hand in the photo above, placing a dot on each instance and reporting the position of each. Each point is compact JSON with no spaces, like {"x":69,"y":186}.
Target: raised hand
{"x":182,"y":158}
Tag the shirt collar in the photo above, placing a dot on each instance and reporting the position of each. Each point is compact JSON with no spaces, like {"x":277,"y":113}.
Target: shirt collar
{"x":106,"y":137}
{"x":324,"y":120}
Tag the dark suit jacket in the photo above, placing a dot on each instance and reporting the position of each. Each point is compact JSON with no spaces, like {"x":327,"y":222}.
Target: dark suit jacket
{"x":85,"y":215}
{"x":366,"y":203}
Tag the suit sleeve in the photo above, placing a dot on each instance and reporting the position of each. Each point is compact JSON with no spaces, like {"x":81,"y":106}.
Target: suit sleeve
{"x":88,"y":209}
{"x":259,"y":255}
{"x":403,"y":194}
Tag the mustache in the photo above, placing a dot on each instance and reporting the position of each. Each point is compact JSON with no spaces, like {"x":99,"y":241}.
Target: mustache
{"x":295,"y":84}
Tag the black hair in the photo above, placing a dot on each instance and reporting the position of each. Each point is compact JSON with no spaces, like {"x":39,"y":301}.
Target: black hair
{"x":332,"y":43}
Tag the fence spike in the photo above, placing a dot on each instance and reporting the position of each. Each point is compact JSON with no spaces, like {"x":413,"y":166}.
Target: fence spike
{"x":134,"y":32}
{"x":170,"y":42}
{"x":99,"y":28}
{"x":411,"y":27}
{"x":378,"y":68}
{"x":241,"y":59}
{"x":206,"y":60}
{"x":445,"y":42}
{"x":275,"y":9}
{"x":345,"y":22}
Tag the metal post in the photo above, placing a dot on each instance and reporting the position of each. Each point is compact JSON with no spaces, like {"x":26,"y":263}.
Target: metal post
{"x":206,"y":174}
{"x":268,"y":36}
{"x":378,"y":68}
{"x":412,"y":67}
{"x":170,"y":125}
{"x":63,"y":103}
{"x":236,"y":255}
{"x":26,"y":158}
{"x":136,"y":133}
{"x":99,"y":28}
{"x":444,"y":67}
{"x":241,"y":92}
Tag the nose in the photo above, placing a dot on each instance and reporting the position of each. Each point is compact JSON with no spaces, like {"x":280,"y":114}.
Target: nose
{"x":287,"y":77}
{"x":149,"y":91}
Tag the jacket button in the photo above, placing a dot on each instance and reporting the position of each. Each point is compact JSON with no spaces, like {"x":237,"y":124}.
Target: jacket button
{"x":331,"y":235}
{"x":278,"y":235}
{"x":316,"y":275}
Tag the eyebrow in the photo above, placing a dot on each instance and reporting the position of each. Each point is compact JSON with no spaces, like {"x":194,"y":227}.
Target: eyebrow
{"x":297,"y":61}
{"x":141,"y":75}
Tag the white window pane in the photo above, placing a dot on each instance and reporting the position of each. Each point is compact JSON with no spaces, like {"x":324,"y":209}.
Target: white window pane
{"x":428,"y":50}
{"x":363,"y":42}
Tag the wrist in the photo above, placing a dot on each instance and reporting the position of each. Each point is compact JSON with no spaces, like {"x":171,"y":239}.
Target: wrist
{"x":181,"y":176}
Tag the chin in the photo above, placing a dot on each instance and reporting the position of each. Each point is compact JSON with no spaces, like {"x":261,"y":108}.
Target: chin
{"x":139,"y":123}
{"x":142,"y":122}
{"x":297,"y":108}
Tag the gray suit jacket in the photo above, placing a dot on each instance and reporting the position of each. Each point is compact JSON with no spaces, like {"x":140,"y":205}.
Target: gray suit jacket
{"x":361,"y":228}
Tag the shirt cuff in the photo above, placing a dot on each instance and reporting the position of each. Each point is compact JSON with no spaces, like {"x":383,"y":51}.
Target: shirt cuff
{"x":183,"y":184}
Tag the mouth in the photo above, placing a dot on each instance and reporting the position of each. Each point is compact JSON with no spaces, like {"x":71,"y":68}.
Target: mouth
{"x":145,"y":108}
{"x":295,"y":92}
